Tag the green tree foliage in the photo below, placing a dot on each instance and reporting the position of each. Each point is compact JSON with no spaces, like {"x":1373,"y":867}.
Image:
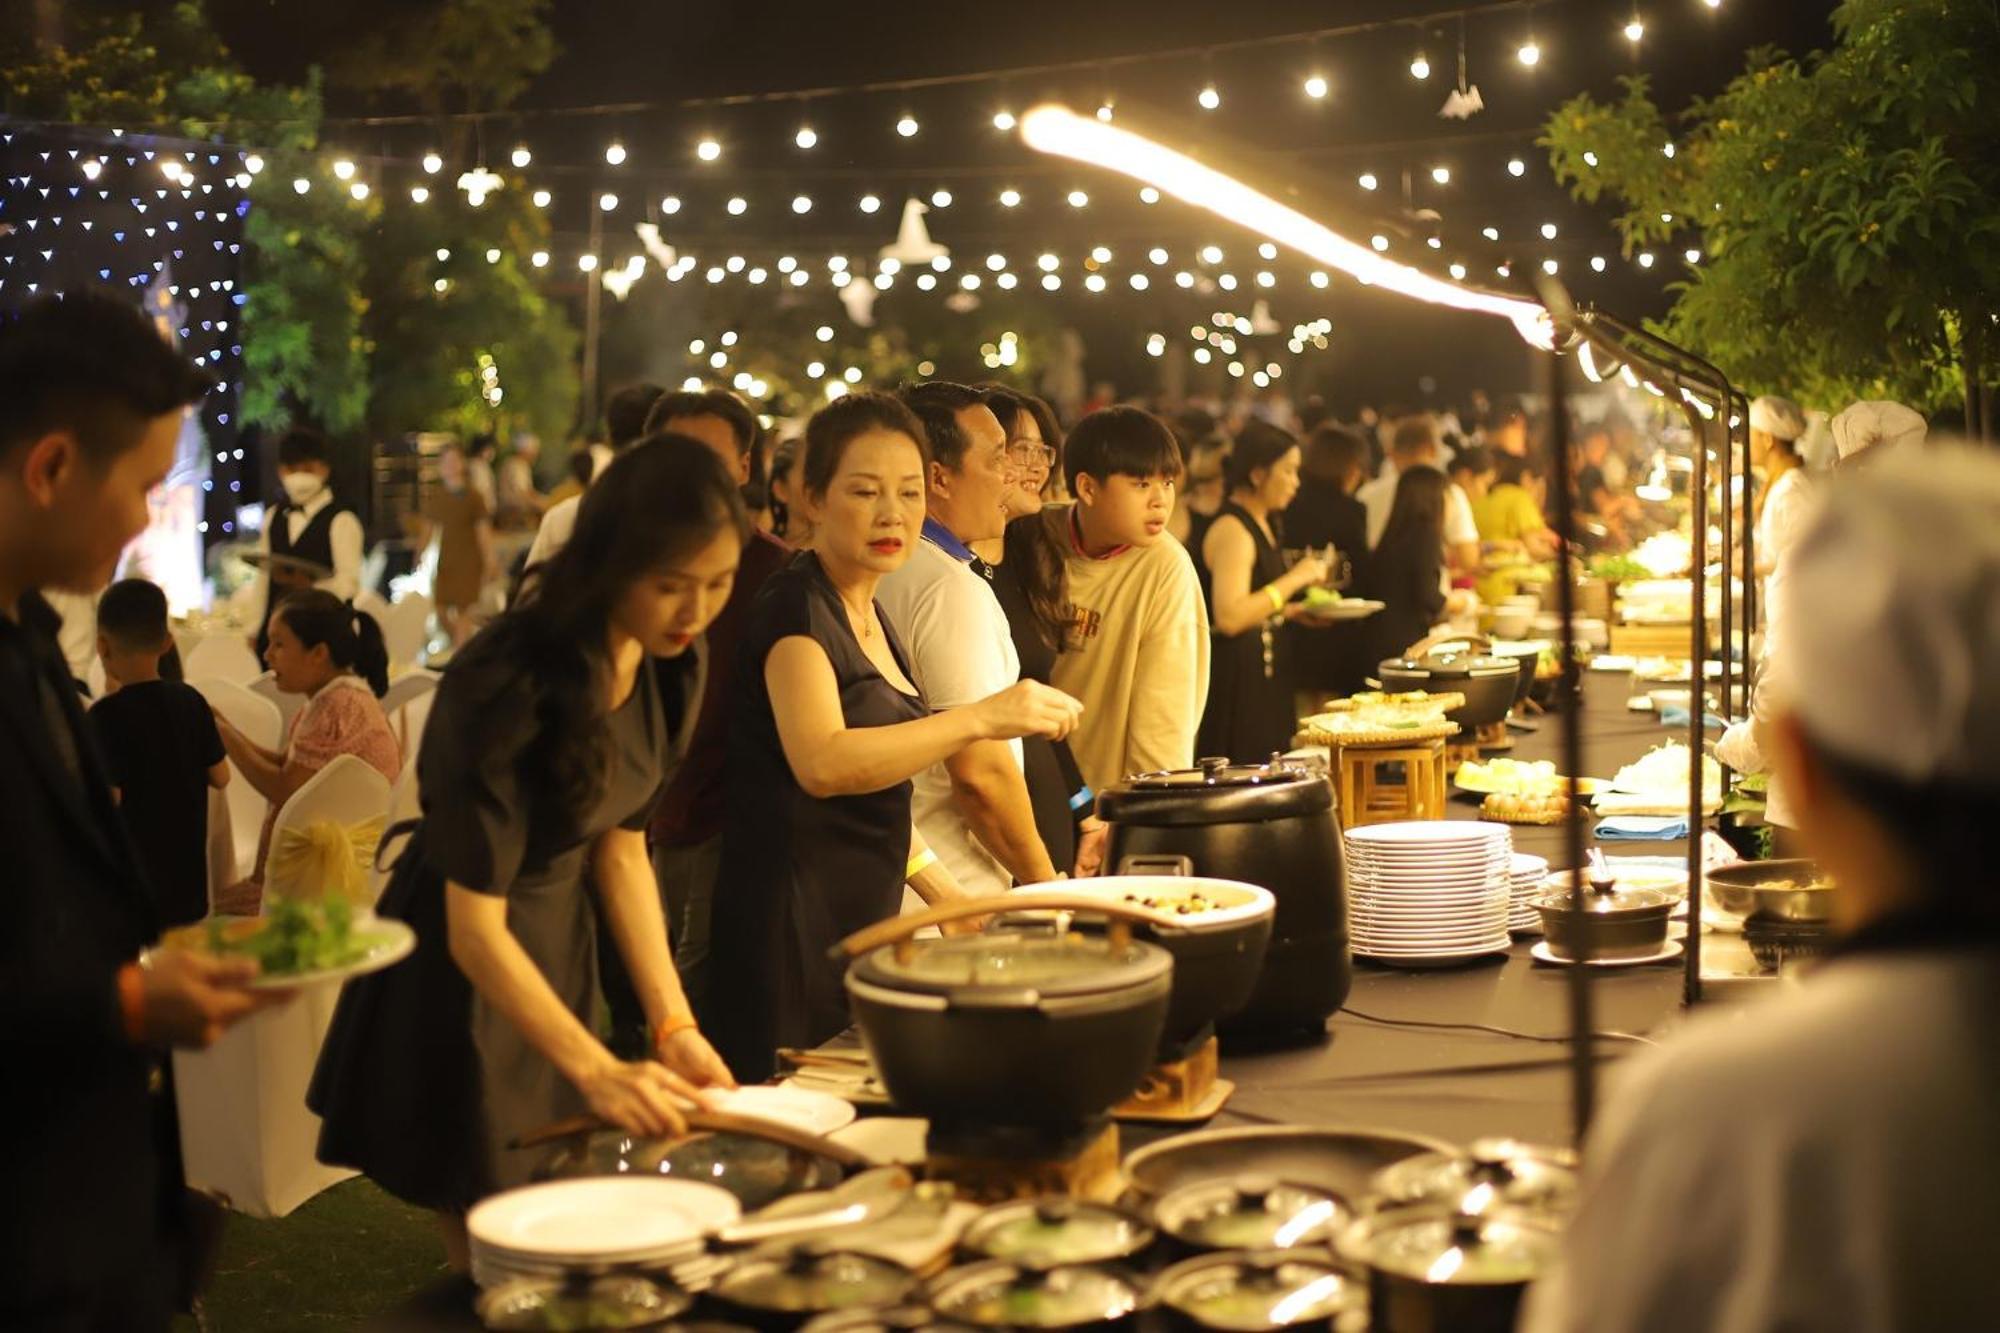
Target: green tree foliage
{"x":1847,"y":206}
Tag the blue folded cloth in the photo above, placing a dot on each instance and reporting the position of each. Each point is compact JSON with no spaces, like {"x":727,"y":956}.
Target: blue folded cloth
{"x":1675,"y":715}
{"x":1642,"y":828}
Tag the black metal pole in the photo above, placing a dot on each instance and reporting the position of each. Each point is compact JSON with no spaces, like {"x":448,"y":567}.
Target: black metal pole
{"x":1691,"y":988}
{"x":1569,"y":698}
{"x":1740,"y":430}
{"x":1728,"y":560}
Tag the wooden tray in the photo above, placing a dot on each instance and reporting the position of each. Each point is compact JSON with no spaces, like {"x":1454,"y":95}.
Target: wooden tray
{"x":1348,"y":740}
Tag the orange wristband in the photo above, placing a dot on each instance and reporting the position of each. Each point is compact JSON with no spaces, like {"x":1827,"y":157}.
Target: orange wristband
{"x":132,"y":1003}
{"x":672,"y":1027}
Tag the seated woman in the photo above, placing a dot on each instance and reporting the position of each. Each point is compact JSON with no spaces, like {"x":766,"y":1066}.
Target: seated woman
{"x":326,"y":650}
{"x":542,"y":762}
{"x":828,"y":733}
{"x":1249,"y":591}
{"x":1402,"y":571}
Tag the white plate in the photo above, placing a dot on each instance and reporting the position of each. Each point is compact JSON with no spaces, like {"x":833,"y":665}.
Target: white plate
{"x":1438,"y":959}
{"x":1542,"y":954}
{"x":1428,"y":833}
{"x":1347,"y":608}
{"x":1492,"y":939}
{"x":601,"y":1218}
{"x":388,"y":942}
{"x":814,"y":1112}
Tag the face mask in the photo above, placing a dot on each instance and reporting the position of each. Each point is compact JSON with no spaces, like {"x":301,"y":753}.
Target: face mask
{"x":301,"y":486}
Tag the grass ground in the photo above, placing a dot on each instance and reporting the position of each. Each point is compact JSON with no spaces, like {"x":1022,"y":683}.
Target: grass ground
{"x":348,"y":1254}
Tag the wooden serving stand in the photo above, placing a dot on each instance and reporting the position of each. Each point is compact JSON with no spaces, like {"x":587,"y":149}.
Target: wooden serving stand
{"x":994,"y":1165}
{"x":1179,"y":1092}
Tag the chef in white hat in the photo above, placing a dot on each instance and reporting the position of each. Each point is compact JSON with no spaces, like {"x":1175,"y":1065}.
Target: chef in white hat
{"x":1775,"y":426}
{"x":1863,"y":435}
{"x":1828,"y":1158}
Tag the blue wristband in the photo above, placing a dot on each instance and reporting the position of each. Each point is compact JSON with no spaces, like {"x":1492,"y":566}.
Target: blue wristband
{"x":1083,"y":799}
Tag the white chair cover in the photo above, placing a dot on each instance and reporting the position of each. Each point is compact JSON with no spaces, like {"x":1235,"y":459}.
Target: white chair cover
{"x":258,"y":719}
{"x":223,"y":657}
{"x":347,"y":792}
{"x":247,"y":1138}
{"x":405,"y":691}
{"x":406,"y":630}
{"x":373,"y":603}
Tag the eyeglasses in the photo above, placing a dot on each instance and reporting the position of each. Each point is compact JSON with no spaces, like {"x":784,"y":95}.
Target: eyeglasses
{"x":1028,"y":454}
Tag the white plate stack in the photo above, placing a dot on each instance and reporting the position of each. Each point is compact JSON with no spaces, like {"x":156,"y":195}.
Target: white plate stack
{"x":1529,"y":873}
{"x":594,"y":1225}
{"x":1429,"y":893}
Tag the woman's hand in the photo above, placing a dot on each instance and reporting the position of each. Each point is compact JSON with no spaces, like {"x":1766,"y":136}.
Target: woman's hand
{"x":1308,"y":572}
{"x":688,"y":1054}
{"x":1027,"y":708}
{"x":1090,"y":838}
{"x":638,"y":1096}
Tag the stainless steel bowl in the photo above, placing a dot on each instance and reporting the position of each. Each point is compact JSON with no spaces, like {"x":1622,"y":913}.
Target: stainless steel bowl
{"x":1774,"y":888}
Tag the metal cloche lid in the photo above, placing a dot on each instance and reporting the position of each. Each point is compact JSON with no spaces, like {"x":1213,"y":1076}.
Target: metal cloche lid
{"x":1045,"y":962}
{"x":1251,"y":1213}
{"x":1438,"y":1246}
{"x":1493,"y":1174}
{"x":1217,"y":791}
{"x":1262,"y":1290}
{"x":1052,"y":1231}
{"x":809,"y":1278}
{"x":1000,"y":1294}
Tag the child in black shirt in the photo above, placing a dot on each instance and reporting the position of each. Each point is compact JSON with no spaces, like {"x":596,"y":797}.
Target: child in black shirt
{"x":161,"y":747}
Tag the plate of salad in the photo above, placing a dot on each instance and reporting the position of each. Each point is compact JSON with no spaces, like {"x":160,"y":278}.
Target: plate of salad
{"x":300,"y":943}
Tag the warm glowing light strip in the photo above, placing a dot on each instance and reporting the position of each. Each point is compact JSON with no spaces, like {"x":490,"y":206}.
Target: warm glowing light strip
{"x":1059,"y":131}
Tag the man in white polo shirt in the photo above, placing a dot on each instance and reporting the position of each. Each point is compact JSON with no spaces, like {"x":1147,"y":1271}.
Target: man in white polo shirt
{"x":1416,"y":443}
{"x":973,"y":808}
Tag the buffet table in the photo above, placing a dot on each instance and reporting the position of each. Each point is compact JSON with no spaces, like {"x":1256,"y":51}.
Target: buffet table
{"x":1445,"y":1081}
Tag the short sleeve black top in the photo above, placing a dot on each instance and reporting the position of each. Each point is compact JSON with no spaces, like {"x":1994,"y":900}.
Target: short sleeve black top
{"x":159,"y":740}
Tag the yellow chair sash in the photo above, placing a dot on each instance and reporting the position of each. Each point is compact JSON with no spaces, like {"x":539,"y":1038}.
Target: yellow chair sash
{"x":323,"y":859}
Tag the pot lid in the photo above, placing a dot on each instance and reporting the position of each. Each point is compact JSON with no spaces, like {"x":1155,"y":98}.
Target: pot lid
{"x":1263,"y":1290}
{"x":1438,"y":1247}
{"x":1492,"y":1174}
{"x":807,"y":1278}
{"x":1606,"y":899}
{"x":870,"y":1320}
{"x":1035,"y":962}
{"x":1049,"y":1232}
{"x":1452,"y":665}
{"x":1251,"y":1213}
{"x":1000,"y":1294}
{"x":1216,"y":791}
{"x":559,"y":1303}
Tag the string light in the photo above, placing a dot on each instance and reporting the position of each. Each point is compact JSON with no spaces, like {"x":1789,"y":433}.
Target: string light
{"x":1047,"y":263}
{"x":607,"y":201}
{"x":1211,"y":254}
{"x":1458,"y":272}
{"x":543,"y":198}
{"x":1010,"y":198}
{"x":1184,"y":279}
{"x":806,"y":137}
{"x":907,"y":126}
{"x":1078,"y":199}
{"x":1003,"y":120}
{"x":433,"y":164}
{"x":1101,"y":254}
{"x":253,"y":164}
{"x":521,"y":156}
{"x":614,"y":153}
{"x":801,"y":204}
{"x":1379,"y":241}
{"x":300,"y":185}
{"x":1516,"y":167}
{"x":1209,"y":98}
{"x":540,"y":259}
{"x":1367,"y":180}
{"x":587,"y":262}
{"x":1548,"y":231}
{"x":1105,"y":111}
{"x":1490,"y":233}
{"x":996,"y":262}
{"x":342,"y":169}
{"x":1549,"y":267}
{"x":1094,"y":283}
{"x":1645,"y":259}
{"x":1597,"y":263}
{"x":1634,"y":30}
{"x":1316,"y":86}
{"x":1157,"y":254}
{"x":869,"y":203}
{"x":1420,"y":68}
{"x":1713,"y":4}
{"x":941,"y":199}
{"x":359,"y":190}
{"x":1529,"y":53}
{"x":1148,"y":195}
{"x":1693,"y":256}
{"x":738,"y":206}
{"x":670,"y":205}
{"x":1442,"y":175}
{"x":708,"y":150}
{"x":419,"y":194}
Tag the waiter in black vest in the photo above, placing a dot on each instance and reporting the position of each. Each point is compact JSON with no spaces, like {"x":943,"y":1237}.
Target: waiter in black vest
{"x":312,"y":528}
{"x":91,"y":405}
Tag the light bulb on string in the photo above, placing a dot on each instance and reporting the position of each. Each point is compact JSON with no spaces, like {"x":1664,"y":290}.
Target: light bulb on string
{"x":1148,"y":195}
{"x":1208,"y":97}
{"x":1441,"y":175}
{"x":1548,"y":231}
{"x":1003,"y":120}
{"x":587,"y":262}
{"x":670,"y":205}
{"x":1529,"y":53}
{"x":433,"y":164}
{"x":869,"y":203}
{"x":521,"y":155}
{"x":1516,"y":167}
{"x":801,"y":204}
{"x":738,"y":206}
{"x":1420,"y":67}
{"x":1078,"y":199}
{"x":941,"y":199}
{"x":607,"y":201}
{"x":1367,"y":180}
{"x":540,"y":259}
{"x":806,"y":137}
{"x":542,"y":198}
{"x":1010,"y":198}
{"x":359,"y":190}
{"x":300,"y":185}
{"x":253,"y":164}
{"x":342,"y":170}
{"x":614,"y":153}
{"x":907,"y":126}
{"x":1634,"y":29}
{"x":708,"y":150}
{"x":1105,"y":111}
{"x":1315,"y":87}
{"x":1713,"y":4}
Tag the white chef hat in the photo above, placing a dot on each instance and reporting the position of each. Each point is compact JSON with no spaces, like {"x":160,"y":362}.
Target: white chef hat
{"x":1888,"y":645}
{"x":1866,"y":425}
{"x":1777,"y":416}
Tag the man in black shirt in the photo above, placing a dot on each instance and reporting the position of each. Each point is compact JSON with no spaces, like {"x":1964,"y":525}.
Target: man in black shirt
{"x":161,"y":748}
{"x":91,"y":404}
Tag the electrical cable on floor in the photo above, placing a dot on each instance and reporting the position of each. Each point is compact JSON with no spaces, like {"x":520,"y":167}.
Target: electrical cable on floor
{"x":1484,"y":1027}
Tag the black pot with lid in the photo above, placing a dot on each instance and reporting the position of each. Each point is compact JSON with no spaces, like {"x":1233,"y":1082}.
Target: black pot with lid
{"x":780,"y":1288}
{"x":1617,"y":923}
{"x":1431,"y":1270}
{"x":1001,"y":1294}
{"x":1488,"y":683}
{"x":1053,"y":1231}
{"x":1260,"y":1291}
{"x":1251,"y":1212}
{"x":1270,"y":824}
{"x":1023,"y":1027}
{"x":1489,"y":1176}
{"x":574,"y":1301}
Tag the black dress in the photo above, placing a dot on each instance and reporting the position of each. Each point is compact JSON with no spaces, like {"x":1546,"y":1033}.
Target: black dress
{"x":799,"y":873}
{"x":1048,"y":766}
{"x":1403,"y":573}
{"x":1249,"y":712}
{"x":1330,"y":659}
{"x":421,"y":1083}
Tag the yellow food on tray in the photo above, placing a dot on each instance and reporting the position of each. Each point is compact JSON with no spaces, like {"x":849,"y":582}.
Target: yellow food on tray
{"x":1516,"y":808}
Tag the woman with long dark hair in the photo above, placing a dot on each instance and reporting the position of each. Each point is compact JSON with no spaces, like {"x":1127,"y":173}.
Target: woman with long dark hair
{"x":829,"y":731}
{"x":544,"y":753}
{"x":1249,"y":592}
{"x":1065,"y":811}
{"x":1403,"y":569}
{"x":321,"y":647}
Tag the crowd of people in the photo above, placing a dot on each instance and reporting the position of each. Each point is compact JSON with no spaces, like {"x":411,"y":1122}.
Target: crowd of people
{"x":699,"y":747}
